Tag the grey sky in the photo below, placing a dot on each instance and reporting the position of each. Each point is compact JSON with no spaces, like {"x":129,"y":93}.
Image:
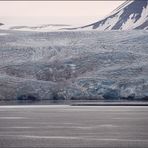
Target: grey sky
{"x":80,"y":11}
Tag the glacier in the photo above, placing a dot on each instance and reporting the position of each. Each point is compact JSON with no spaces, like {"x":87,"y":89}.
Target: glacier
{"x":74,"y":65}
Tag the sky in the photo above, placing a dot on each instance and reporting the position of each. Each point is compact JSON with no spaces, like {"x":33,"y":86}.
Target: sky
{"x":63,"y":12}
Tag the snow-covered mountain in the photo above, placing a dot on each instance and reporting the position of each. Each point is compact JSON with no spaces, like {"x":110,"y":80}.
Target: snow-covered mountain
{"x":44,"y":27}
{"x":129,"y":15}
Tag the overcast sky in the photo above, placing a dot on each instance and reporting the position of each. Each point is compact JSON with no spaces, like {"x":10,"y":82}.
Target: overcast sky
{"x":75,"y":12}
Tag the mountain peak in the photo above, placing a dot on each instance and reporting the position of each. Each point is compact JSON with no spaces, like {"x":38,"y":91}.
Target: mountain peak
{"x":129,"y":15}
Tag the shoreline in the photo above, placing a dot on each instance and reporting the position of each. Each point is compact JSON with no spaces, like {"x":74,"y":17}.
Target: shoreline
{"x":78,"y":103}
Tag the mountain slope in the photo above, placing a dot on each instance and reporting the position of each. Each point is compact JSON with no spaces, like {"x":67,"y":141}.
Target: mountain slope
{"x":129,"y":15}
{"x":44,"y":27}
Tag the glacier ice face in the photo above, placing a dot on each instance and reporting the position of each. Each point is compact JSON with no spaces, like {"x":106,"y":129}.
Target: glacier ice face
{"x":74,"y":65}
